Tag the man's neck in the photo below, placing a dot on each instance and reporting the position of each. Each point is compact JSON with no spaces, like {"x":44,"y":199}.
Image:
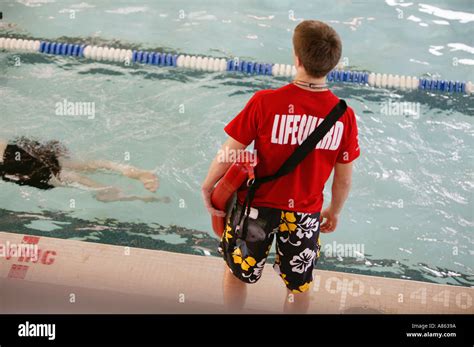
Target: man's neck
{"x":303,"y":77}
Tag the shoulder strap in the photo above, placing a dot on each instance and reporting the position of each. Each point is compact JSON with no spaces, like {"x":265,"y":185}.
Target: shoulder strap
{"x":308,"y":144}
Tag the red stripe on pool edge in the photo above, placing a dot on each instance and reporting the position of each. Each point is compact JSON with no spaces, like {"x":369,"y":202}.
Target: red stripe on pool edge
{"x":19,"y":271}
{"x":33,"y":240}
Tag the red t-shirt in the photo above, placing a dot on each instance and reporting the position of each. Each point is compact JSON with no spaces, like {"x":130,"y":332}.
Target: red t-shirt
{"x":278,"y":121}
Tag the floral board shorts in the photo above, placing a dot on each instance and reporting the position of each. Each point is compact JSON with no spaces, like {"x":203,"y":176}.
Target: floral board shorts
{"x":297,"y":246}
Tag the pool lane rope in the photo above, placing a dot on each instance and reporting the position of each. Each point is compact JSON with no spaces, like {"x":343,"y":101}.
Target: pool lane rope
{"x":210,"y":64}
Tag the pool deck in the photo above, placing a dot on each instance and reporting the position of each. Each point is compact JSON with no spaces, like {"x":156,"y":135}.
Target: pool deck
{"x":83,"y":277}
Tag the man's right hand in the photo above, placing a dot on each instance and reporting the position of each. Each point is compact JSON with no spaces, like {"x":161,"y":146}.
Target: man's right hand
{"x":206,"y":196}
{"x":217,"y":169}
{"x":329,"y":221}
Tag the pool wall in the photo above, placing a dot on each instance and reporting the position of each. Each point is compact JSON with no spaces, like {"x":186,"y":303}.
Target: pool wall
{"x":80,"y":277}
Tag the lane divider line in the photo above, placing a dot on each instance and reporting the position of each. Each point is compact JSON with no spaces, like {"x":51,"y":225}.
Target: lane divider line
{"x":212,"y":64}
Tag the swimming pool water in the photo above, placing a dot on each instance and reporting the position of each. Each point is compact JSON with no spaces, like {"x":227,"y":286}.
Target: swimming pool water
{"x":411,"y":202}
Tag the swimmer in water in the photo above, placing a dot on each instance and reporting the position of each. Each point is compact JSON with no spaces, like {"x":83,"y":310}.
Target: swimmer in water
{"x":48,"y":165}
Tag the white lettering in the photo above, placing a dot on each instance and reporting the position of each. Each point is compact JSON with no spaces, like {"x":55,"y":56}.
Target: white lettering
{"x":37,"y":330}
{"x":275,"y":128}
{"x":282,"y":129}
{"x":288,"y":128}
{"x":294,"y":132}
{"x":299,"y":127}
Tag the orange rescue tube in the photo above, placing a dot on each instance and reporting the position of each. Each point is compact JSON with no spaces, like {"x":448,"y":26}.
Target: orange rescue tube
{"x":237,"y":175}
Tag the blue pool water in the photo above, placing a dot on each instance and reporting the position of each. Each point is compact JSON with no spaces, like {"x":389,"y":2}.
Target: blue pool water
{"x":411,"y":204}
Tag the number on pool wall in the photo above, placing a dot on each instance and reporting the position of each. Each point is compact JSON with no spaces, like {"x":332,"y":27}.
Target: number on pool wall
{"x":463,"y":300}
{"x":443,"y":297}
{"x":419,"y":294}
{"x":459,"y":300}
{"x":356,"y":288}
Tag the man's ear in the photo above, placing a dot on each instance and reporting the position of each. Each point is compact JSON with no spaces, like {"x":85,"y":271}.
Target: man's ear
{"x":296,"y":60}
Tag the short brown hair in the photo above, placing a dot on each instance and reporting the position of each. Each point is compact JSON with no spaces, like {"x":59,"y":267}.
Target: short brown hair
{"x":318,"y":46}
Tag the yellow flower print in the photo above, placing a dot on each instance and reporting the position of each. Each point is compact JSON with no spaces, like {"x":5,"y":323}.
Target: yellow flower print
{"x":283,"y":276}
{"x":237,"y":256}
{"x":288,"y":220}
{"x":302,"y":288}
{"x":227,"y":234}
{"x":318,"y":252}
{"x":246,"y":263}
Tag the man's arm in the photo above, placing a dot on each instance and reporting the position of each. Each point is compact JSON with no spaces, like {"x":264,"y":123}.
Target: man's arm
{"x":217,"y":169}
{"x":341,"y":185}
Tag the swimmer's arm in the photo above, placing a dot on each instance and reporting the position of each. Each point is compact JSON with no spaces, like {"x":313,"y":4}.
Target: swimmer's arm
{"x":341,"y":185}
{"x":66,"y":178}
{"x":93,"y":165}
{"x":103,"y":193}
{"x":148,"y":178}
{"x":217,"y":169}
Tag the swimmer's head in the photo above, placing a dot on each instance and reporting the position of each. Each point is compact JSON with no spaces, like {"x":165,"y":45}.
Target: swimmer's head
{"x":47,"y":153}
{"x":317,"y":48}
